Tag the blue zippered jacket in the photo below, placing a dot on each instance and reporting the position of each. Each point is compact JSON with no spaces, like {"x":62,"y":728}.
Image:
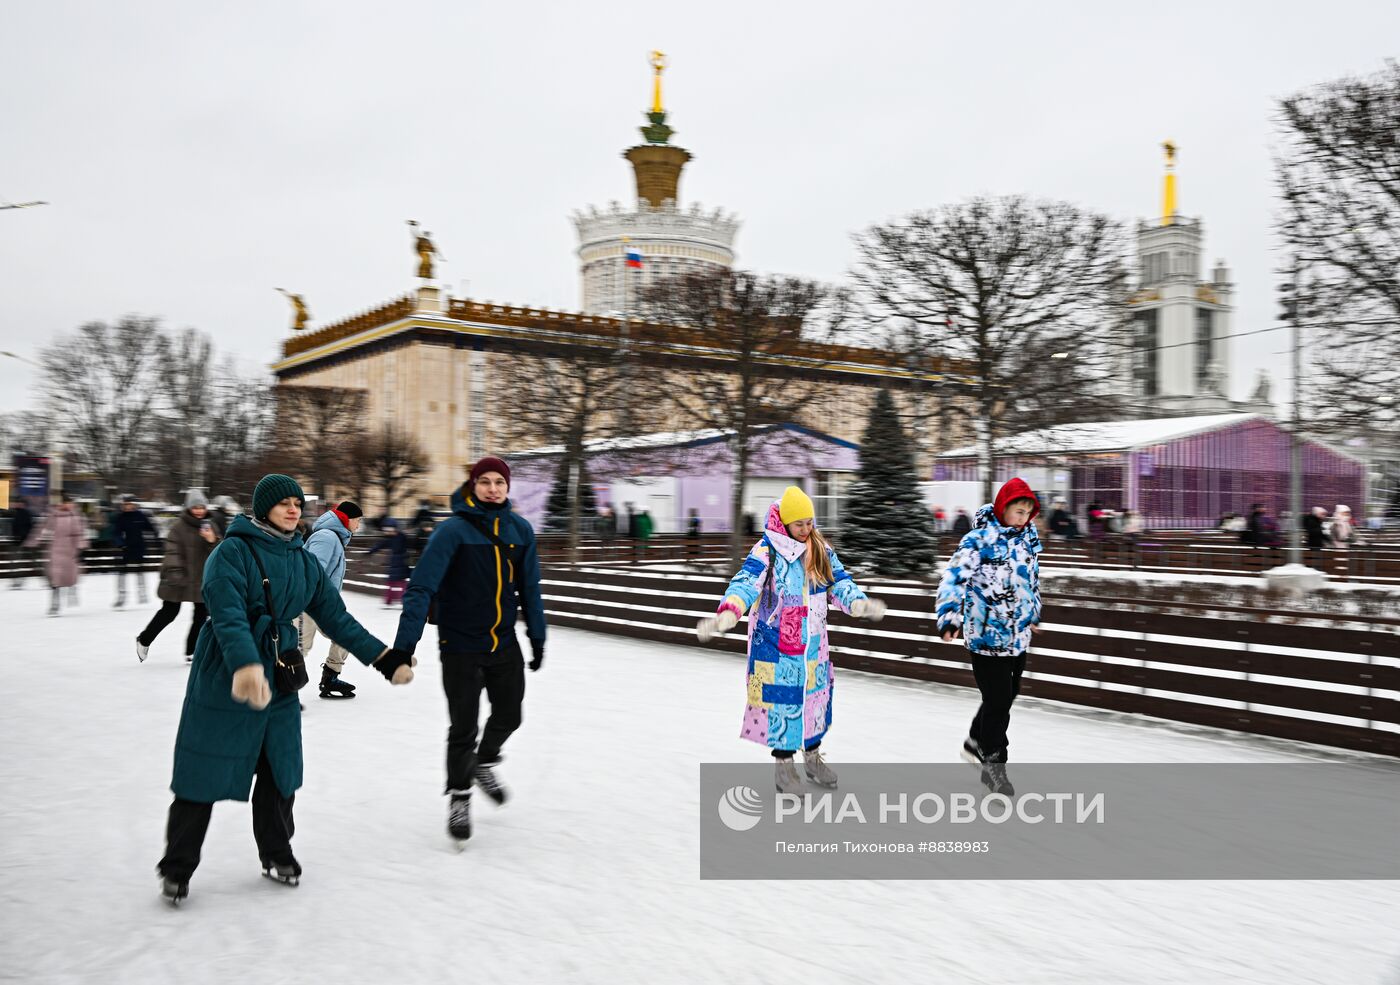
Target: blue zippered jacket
{"x":474,"y":581}
{"x":327,"y":543}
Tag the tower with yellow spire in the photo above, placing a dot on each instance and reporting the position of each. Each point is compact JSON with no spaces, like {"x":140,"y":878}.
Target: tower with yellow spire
{"x":1180,"y":362}
{"x":668,"y":239}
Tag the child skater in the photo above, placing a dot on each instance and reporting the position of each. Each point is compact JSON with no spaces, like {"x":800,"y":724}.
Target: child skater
{"x":990,"y":592}
{"x":789,"y":574}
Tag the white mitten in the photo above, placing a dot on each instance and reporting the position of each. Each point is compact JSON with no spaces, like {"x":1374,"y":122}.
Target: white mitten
{"x":872,"y":609}
{"x":721,"y":622}
{"x":404,"y":674}
{"x":250,"y":687}
{"x":706,"y":628}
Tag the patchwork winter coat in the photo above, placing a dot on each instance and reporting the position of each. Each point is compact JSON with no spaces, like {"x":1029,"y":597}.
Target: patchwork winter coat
{"x":789,"y":670}
{"x":217,"y":746}
{"x":991,"y":587}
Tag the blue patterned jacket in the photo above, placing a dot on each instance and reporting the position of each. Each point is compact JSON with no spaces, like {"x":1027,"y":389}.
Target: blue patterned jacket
{"x":991,"y":587}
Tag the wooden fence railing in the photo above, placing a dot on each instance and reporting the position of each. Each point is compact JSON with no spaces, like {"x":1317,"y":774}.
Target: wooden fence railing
{"x":1335,"y":684}
{"x":1378,"y":564}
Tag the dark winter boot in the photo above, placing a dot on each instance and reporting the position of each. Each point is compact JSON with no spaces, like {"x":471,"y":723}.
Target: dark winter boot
{"x":174,"y":890}
{"x":459,"y":814}
{"x":333,"y":687}
{"x":484,"y":775}
{"x":994,"y":776}
{"x":288,"y":873}
{"x":53,"y":603}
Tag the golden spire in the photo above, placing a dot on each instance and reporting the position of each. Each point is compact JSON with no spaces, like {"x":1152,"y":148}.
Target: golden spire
{"x":1169,"y":187}
{"x":658,"y":62}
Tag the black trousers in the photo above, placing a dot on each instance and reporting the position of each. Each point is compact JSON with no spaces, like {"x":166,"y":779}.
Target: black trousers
{"x":999,"y":680}
{"x":165,"y":615}
{"x":189,"y":821}
{"x":464,"y":677}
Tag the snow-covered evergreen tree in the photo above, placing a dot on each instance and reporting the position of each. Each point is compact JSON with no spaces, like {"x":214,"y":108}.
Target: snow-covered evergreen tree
{"x":556,"y":510}
{"x":886,"y":526}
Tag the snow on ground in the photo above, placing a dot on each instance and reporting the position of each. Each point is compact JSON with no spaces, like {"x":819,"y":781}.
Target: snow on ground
{"x":590,"y":873}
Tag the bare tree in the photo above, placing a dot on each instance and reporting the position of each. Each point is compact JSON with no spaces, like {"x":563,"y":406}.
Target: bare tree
{"x":237,"y":430}
{"x":762,"y":343}
{"x":566,"y":400}
{"x":316,"y":425}
{"x":357,"y":473}
{"x":396,"y":461}
{"x":1028,"y":299}
{"x":187,"y":392}
{"x":25,"y":432}
{"x":1338,"y":172}
{"x":102,"y":388}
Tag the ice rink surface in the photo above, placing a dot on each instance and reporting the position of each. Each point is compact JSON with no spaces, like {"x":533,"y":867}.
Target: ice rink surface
{"x":590,"y":873}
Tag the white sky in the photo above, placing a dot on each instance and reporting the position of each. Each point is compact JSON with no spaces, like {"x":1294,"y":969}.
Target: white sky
{"x":199,"y":155}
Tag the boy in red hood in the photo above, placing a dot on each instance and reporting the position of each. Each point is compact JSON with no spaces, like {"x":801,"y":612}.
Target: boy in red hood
{"x":990,"y":593}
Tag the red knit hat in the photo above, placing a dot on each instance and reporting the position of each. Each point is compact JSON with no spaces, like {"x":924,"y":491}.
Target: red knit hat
{"x":1013,"y":490}
{"x":489,"y":464}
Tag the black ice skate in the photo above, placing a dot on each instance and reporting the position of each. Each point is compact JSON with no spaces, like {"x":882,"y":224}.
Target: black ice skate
{"x":994,"y":776}
{"x":459,"y":815}
{"x":174,"y":890}
{"x":484,"y":775}
{"x":287,"y":873}
{"x":333,"y":687}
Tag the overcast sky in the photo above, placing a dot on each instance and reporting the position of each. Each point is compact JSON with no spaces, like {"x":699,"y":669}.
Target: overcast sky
{"x":199,"y":155}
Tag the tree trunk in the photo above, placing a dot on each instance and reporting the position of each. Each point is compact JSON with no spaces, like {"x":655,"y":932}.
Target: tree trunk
{"x":986,"y":462}
{"x":737,"y":547}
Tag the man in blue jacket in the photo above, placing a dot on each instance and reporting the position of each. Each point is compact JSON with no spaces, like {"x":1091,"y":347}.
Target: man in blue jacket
{"x":479,"y":569}
{"x":329,"y":538}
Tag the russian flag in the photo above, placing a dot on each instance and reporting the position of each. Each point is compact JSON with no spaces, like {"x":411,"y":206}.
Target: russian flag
{"x":634,"y":258}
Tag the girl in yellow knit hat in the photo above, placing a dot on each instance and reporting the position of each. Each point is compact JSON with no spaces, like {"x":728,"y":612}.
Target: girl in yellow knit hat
{"x":786,"y":581}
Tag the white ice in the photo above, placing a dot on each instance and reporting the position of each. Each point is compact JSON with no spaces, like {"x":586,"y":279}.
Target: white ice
{"x":590,"y":873}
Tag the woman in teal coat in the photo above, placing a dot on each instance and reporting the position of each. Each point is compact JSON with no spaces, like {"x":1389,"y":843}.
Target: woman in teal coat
{"x":235,"y":725}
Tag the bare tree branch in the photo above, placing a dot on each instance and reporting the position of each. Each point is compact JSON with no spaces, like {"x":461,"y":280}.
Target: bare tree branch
{"x":1026,"y":298}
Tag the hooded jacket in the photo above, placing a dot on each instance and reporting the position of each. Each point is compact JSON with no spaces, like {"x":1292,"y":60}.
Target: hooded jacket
{"x":474,"y":581}
{"x":991,"y":587}
{"x":219,"y":740}
{"x":327,"y":543}
{"x":789,"y":673}
{"x":182,"y":565}
{"x":67,"y":533}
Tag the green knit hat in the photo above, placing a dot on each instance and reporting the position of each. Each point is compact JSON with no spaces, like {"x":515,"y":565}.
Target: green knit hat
{"x":271,"y":490}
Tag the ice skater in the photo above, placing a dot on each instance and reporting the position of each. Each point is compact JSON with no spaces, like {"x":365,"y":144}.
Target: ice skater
{"x":786,"y":580}
{"x":482,"y":566}
{"x":130,"y":526}
{"x":188,"y":544}
{"x":990,"y":593}
{"x":67,"y":534}
{"x":397,"y":569}
{"x":329,"y":537}
{"x":237,"y":725}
